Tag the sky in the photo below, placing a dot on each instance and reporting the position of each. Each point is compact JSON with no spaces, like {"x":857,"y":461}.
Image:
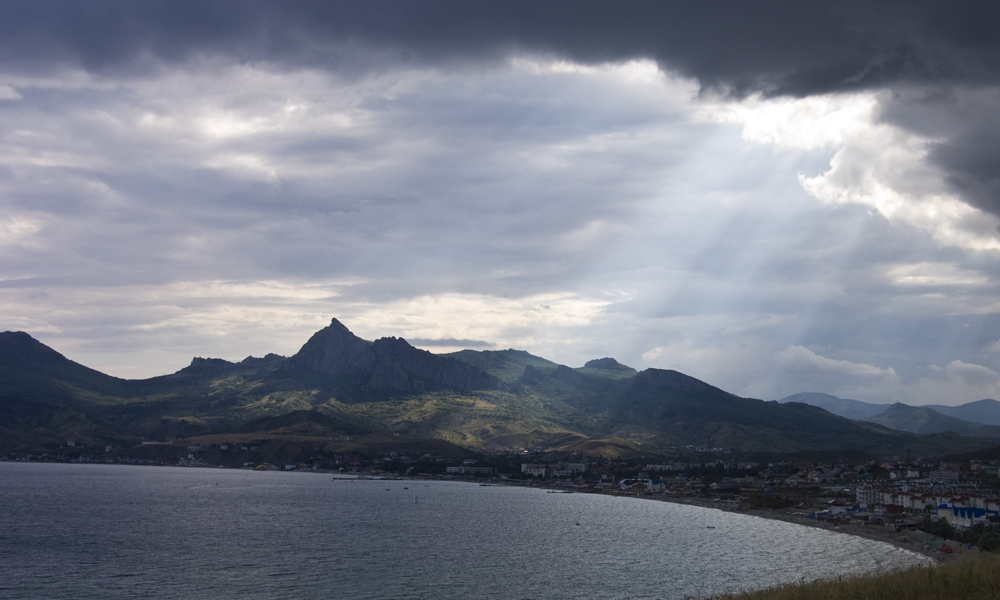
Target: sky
{"x":772,"y":196}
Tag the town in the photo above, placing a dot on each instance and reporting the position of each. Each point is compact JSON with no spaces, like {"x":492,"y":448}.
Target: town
{"x":954,"y":499}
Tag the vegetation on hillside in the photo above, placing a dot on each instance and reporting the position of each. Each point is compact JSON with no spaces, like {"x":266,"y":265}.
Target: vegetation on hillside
{"x":603,"y":409}
{"x":985,"y":536}
{"x":976,"y":578}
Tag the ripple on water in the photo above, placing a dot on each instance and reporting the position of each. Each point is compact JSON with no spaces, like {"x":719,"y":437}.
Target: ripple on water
{"x":101,"y":531}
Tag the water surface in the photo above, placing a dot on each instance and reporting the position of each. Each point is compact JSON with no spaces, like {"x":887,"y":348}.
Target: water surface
{"x":109,"y":531}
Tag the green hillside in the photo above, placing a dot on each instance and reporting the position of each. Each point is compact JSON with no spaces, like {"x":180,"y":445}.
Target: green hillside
{"x":491,"y":399}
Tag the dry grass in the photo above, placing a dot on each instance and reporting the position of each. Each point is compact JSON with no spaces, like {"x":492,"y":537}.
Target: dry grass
{"x":974,"y":578}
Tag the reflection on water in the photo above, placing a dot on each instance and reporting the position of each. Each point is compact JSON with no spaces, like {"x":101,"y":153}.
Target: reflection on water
{"x":103,"y":531}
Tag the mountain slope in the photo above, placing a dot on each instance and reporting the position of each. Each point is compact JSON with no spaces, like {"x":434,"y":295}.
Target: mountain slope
{"x":844,"y":407}
{"x":985,"y":411}
{"x":26,"y":425}
{"x":388,"y":363}
{"x":921,"y":419}
{"x":680,"y":409}
{"x":506,"y":399}
{"x":31,"y":369}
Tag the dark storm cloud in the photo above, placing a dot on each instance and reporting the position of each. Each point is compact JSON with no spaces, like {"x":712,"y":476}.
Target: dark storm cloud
{"x":966,"y":128}
{"x":775,"y":47}
{"x":972,"y":161}
{"x":782,"y":46}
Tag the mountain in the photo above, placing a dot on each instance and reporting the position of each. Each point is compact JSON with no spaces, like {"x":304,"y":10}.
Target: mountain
{"x":676,"y":408}
{"x":27,"y":425}
{"x":304,"y":422}
{"x":986,"y":411}
{"x":29,"y":368}
{"x":921,"y":419}
{"x":608,"y":367}
{"x":505,"y":365}
{"x":386,"y":393}
{"x":387,"y":363}
{"x":844,"y":407}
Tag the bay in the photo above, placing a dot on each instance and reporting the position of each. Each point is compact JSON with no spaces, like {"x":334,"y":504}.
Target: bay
{"x":110,"y":531}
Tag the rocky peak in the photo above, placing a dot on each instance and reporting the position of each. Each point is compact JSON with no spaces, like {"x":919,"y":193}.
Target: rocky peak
{"x":608,"y":364}
{"x":401,"y":367}
{"x":568,"y":376}
{"x":394,"y":347}
{"x":389,"y":363}
{"x":531,"y":375}
{"x":670,"y":378}
{"x":204,"y":364}
{"x":269,"y":359}
{"x":336,"y":351}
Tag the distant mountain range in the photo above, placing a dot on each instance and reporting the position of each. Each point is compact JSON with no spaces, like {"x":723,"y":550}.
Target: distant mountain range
{"x":973,"y":418}
{"x":844,"y":407}
{"x":340,"y":393}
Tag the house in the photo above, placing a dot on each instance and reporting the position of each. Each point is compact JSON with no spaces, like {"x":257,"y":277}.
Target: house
{"x":560,"y":469}
{"x":466,"y":470}
{"x":964,"y":516}
{"x":636,"y":485}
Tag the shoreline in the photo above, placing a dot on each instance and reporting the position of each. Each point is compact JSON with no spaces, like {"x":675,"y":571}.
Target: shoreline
{"x":912,"y":541}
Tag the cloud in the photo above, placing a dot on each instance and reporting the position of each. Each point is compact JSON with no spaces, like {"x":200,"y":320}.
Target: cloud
{"x":452,"y":343}
{"x":773,"y":197}
{"x":962,"y":131}
{"x":770,"y":49}
{"x":801,"y":359}
{"x":777,"y":46}
{"x":303,"y":174}
{"x":877,"y":163}
{"x":971,"y":373}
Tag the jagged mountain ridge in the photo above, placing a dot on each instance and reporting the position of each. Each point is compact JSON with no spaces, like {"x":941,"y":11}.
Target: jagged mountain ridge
{"x":475,"y":399}
{"x":388,"y":363}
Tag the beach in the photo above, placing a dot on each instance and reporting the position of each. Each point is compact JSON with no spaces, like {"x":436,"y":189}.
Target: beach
{"x":914,"y":541}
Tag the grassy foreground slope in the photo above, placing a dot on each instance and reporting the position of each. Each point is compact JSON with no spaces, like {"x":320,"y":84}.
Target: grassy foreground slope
{"x":975,"y":578}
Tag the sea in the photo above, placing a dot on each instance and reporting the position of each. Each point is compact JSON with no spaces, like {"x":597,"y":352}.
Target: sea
{"x":85,"y":531}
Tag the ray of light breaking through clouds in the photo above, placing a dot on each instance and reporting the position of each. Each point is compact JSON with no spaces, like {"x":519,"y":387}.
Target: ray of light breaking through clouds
{"x":774,"y":197}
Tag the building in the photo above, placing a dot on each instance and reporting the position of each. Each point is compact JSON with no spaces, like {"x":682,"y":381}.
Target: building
{"x":559,"y":469}
{"x":467,"y":470}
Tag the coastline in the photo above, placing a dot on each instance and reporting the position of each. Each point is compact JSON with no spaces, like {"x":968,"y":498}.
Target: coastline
{"x":913,"y":541}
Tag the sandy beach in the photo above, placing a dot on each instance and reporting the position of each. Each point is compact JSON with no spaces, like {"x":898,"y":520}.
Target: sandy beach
{"x":913,"y":541}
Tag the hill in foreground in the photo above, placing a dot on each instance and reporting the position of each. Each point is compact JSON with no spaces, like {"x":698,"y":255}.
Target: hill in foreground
{"x":976,"y":578}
